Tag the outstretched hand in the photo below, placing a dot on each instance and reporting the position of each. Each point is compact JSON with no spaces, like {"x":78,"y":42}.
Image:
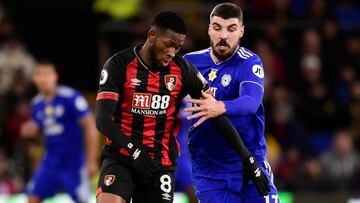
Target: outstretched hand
{"x":206,"y":107}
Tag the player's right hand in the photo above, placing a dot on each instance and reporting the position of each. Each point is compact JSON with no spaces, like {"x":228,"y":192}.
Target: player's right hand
{"x":141,"y":159}
{"x":251,"y":170}
{"x":29,"y":129}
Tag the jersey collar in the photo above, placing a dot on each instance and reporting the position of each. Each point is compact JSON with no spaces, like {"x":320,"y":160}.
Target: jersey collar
{"x":220,"y":62}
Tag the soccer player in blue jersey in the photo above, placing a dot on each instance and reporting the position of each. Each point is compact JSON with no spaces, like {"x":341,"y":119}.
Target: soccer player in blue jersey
{"x":62,"y":116}
{"x":236,"y":78}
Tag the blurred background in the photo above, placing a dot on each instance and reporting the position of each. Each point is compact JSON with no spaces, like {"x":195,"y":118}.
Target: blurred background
{"x":310,"y":50}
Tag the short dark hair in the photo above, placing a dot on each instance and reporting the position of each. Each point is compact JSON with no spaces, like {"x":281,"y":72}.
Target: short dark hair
{"x":227,"y":10}
{"x":170,"y":20}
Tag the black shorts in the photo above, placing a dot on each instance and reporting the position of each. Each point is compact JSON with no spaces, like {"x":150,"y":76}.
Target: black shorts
{"x":120,"y":178}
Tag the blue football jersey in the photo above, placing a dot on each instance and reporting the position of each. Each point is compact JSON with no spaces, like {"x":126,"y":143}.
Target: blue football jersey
{"x":59,"y":121}
{"x":209,"y":151}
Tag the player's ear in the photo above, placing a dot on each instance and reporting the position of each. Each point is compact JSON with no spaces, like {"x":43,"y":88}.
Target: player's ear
{"x":242,"y":30}
{"x":151,"y":35}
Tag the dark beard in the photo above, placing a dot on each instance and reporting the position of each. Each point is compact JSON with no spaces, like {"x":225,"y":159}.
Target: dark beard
{"x":221,"y":56}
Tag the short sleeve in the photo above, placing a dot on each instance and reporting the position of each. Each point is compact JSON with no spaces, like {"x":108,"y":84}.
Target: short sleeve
{"x":110,"y":80}
{"x":253,"y":72}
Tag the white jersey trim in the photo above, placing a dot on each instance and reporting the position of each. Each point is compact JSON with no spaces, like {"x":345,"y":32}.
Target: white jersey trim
{"x":248,"y":81}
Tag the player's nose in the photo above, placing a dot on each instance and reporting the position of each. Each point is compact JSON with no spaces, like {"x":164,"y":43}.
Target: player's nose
{"x":223,"y":35}
{"x":171,"y":53}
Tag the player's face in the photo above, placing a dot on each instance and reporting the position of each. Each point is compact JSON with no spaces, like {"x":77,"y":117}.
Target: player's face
{"x":225,"y":36}
{"x":165,"y":44}
{"x":45,"y":78}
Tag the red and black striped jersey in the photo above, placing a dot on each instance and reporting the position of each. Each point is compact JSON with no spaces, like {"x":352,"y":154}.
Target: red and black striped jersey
{"x":148,"y":101}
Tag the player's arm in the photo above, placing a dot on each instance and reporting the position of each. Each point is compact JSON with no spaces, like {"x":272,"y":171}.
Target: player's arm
{"x":249,"y":100}
{"x":200,"y":93}
{"x":226,"y":129}
{"x":29,"y":129}
{"x":106,"y":103}
{"x":91,"y":142}
{"x":104,"y":111}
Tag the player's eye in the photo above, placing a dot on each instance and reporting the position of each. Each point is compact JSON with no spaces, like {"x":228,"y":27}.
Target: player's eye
{"x":217,"y":28}
{"x":232,"y":29}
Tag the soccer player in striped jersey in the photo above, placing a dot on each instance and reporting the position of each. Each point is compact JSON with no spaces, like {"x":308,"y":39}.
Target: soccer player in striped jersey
{"x":137,"y":105}
{"x":221,"y":171}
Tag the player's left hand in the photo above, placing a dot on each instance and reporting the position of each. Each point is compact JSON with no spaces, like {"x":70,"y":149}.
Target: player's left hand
{"x":207,"y":107}
{"x":252,"y":171}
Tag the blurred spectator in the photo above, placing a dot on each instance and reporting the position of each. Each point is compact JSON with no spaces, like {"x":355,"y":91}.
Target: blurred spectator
{"x":343,"y":85}
{"x":13,"y":124}
{"x":272,"y":62}
{"x":7,"y":29}
{"x":317,"y":10}
{"x":308,"y":176}
{"x":341,"y":163}
{"x":352,"y":112}
{"x":10,"y":182}
{"x":332,"y":50}
{"x":311,"y":43}
{"x":288,"y":167}
{"x":284,"y":123}
{"x":14,"y":59}
{"x":352,"y":51}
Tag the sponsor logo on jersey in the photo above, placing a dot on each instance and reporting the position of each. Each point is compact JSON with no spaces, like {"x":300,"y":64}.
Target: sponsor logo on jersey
{"x":170,"y":81}
{"x":257,"y":172}
{"x":103,"y":77}
{"x":166,"y":196}
{"x":150,"y":104}
{"x":136,"y":154}
{"x":109,"y":179}
{"x":135,"y":81}
{"x":258,"y":71}
{"x":225,"y":80}
{"x":213,"y":91}
{"x":212,"y":75}
{"x":141,"y":100}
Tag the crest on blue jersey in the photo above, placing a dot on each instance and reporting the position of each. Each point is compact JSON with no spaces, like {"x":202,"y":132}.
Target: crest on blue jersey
{"x":212,"y":75}
{"x":225,"y":80}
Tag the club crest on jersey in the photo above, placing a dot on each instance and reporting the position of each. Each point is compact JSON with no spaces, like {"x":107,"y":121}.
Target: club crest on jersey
{"x":109,"y":179}
{"x":225,"y":80}
{"x":212,"y":75}
{"x":170,"y":82}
